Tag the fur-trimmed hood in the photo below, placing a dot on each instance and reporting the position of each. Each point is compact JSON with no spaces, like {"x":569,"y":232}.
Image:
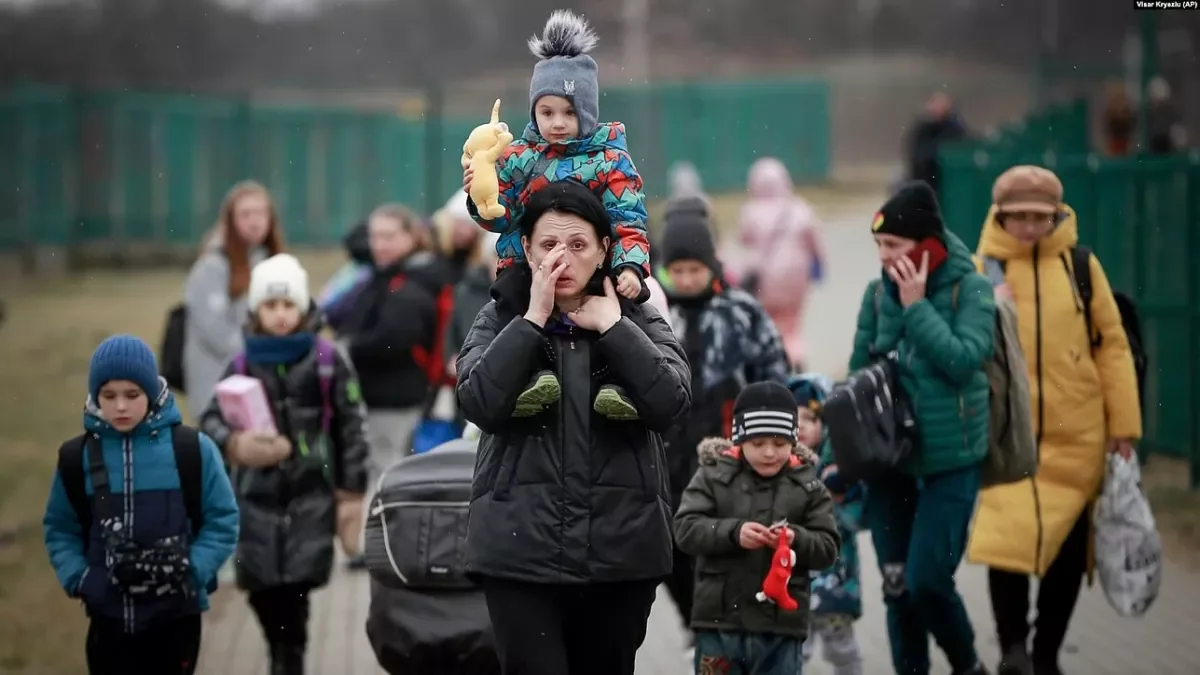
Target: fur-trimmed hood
{"x":712,"y":449}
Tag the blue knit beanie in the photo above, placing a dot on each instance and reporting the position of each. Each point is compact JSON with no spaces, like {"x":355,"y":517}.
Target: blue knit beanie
{"x":124,"y":357}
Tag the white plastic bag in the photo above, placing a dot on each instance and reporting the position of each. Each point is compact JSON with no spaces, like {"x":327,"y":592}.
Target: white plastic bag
{"x":1128,"y":547}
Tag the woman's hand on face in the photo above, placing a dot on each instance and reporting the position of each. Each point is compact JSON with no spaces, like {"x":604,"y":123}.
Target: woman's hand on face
{"x":910,"y":278}
{"x":541,"y":291}
{"x":599,"y":312}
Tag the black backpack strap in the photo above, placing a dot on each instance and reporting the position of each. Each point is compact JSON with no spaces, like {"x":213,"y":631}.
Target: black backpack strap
{"x":188,"y":462}
{"x":70,"y":473}
{"x":103,"y":504}
{"x":1081,"y":266}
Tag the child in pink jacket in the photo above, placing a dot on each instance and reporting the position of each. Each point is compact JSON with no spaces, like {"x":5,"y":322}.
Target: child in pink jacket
{"x":781,"y":250}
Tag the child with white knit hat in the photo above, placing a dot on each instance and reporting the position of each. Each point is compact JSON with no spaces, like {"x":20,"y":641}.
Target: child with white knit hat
{"x":299,"y":486}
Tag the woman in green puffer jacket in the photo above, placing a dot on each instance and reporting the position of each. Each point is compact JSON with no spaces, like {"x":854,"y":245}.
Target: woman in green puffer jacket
{"x":939,"y":316}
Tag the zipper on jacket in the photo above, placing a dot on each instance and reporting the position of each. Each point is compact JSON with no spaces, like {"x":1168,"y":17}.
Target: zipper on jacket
{"x":1041,"y":408}
{"x":562,"y":441}
{"x":127,"y":503}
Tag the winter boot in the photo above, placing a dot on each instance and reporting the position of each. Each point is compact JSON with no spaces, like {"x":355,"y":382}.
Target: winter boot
{"x":612,"y":403}
{"x":542,"y":391}
{"x":1015,"y":661}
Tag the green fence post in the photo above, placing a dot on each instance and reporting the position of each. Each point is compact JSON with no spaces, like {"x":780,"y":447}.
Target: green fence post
{"x":1149,"y":39}
{"x":1193,"y":307}
{"x":435,"y":151}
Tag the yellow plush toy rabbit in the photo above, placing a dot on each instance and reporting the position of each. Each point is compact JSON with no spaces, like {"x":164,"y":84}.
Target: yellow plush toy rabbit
{"x":480,"y":152}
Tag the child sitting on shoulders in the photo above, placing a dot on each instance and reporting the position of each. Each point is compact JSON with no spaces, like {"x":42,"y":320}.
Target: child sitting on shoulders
{"x":760,"y":477}
{"x":564,"y":140}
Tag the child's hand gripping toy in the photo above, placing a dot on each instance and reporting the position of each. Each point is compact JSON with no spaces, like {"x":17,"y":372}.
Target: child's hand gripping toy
{"x":480,"y":153}
{"x":783,"y":561}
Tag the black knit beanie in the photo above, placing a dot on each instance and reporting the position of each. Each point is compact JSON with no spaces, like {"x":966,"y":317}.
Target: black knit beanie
{"x":912,"y":213}
{"x":764,"y":409}
{"x":687,"y":233}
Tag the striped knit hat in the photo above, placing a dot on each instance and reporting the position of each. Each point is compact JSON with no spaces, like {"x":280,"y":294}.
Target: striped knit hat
{"x":764,"y":409}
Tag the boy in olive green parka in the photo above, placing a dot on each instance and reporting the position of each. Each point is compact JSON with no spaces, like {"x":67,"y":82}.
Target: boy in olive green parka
{"x":725,"y":519}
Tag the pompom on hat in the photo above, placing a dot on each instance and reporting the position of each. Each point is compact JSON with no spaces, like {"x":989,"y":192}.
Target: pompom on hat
{"x":565,"y":68}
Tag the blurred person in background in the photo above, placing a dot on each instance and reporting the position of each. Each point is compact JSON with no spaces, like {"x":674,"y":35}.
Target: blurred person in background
{"x":390,"y":331}
{"x":940,"y":123}
{"x":471,"y":293}
{"x":1164,"y":128}
{"x":1120,"y":121}
{"x":337,"y":296}
{"x":781,"y":252}
{"x":458,"y":237}
{"x":247,"y":232}
{"x":1085,"y":392}
{"x":729,"y":340}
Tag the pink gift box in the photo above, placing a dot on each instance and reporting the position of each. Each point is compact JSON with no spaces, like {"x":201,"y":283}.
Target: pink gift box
{"x":244,"y":404}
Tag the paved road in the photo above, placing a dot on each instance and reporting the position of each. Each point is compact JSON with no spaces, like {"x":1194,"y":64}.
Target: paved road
{"x":1099,"y":643}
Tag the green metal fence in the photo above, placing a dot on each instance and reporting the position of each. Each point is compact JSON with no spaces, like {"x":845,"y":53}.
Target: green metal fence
{"x":1142,"y":218}
{"x":80,"y":167}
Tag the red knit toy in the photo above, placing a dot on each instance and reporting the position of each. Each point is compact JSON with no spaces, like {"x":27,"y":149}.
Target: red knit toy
{"x":774,"y":588}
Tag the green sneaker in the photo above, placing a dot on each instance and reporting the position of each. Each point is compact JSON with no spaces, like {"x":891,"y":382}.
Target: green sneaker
{"x":612,"y":403}
{"x":541,"y":392}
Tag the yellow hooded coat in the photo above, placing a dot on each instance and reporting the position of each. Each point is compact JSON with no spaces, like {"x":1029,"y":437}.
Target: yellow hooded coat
{"x":1079,"y":397}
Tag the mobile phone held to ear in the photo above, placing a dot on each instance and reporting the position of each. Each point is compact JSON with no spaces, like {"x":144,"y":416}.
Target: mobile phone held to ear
{"x":934,"y":247}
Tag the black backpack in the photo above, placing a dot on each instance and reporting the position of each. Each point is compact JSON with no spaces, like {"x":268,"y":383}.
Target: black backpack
{"x":1130,"y":321}
{"x":186,"y":442}
{"x":170,"y":350}
{"x":870,"y":421}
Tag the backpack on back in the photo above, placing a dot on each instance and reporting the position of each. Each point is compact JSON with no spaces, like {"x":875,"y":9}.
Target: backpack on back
{"x":326,"y":358}
{"x":185,"y":441}
{"x":170,"y":350}
{"x":1081,"y":265}
{"x":1012,"y":446}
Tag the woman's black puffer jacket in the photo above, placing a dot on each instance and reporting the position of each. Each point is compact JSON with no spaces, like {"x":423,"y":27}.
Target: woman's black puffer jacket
{"x":568,"y":496}
{"x":288,"y":512}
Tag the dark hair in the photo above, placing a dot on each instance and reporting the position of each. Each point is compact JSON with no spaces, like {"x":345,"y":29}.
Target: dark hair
{"x":566,"y":196}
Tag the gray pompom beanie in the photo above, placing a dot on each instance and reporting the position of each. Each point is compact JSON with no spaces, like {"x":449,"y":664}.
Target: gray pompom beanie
{"x":565,"y":69}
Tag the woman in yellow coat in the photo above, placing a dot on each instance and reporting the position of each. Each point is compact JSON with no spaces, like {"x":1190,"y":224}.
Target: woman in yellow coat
{"x":1084,"y":401}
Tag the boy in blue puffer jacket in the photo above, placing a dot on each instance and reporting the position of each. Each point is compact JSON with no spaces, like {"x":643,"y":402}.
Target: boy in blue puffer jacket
{"x":118,"y":526}
{"x":836,"y":596}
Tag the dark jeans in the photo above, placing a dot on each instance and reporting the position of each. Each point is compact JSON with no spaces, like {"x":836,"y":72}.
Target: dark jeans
{"x":748,"y":653}
{"x":1056,"y":598}
{"x":168,"y":649}
{"x":282,"y":612}
{"x":919,"y":528}
{"x":682,"y":583}
{"x":550,"y":629}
